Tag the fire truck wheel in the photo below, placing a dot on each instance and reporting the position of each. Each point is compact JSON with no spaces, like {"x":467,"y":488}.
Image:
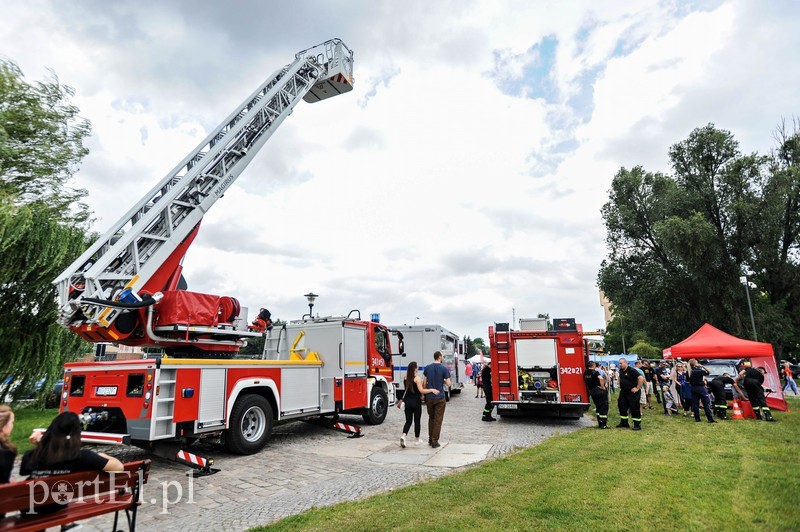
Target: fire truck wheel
{"x":251,"y":425}
{"x":378,"y":407}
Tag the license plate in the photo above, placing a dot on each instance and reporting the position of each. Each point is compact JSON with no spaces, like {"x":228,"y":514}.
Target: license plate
{"x":510,"y":406}
{"x":106,"y":390}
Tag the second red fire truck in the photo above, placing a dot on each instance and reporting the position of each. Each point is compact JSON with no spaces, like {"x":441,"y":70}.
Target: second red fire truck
{"x":539,"y":369}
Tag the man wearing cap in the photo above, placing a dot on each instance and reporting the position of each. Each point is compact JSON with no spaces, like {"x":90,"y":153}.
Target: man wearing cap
{"x":630,"y":387}
{"x":753,"y":380}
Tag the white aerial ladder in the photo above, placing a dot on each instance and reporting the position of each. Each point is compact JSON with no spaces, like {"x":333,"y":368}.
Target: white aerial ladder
{"x":140,"y":255}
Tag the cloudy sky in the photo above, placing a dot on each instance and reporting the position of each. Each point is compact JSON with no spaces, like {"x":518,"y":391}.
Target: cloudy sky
{"x":459,"y":183}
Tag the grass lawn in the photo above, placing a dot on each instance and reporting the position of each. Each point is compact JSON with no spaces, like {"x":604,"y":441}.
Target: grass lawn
{"x":673,"y":475}
{"x":27,"y":419}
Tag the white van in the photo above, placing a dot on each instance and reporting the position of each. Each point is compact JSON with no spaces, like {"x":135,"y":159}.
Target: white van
{"x":421,"y":341}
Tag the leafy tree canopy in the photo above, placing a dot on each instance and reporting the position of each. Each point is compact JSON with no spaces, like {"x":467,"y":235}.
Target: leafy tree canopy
{"x":678,"y":244}
{"x":645,"y":350}
{"x":479,"y":344}
{"x":41,"y":143}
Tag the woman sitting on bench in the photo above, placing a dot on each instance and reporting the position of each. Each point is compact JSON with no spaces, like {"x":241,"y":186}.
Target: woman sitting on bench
{"x":59,"y":453}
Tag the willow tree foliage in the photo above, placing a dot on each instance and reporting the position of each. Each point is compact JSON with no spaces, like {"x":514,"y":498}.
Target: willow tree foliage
{"x":42,"y":221}
{"x":678,"y":244}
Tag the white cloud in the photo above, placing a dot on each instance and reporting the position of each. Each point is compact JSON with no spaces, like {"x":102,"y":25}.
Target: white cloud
{"x":426,"y":192}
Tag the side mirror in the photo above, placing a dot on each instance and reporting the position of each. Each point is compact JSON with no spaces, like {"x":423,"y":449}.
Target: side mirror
{"x":401,"y":346}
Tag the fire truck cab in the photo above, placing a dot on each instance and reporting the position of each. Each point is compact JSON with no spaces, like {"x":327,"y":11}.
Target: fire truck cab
{"x":537,"y":369}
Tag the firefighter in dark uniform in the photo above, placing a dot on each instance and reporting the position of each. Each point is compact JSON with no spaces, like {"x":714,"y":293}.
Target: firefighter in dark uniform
{"x":597,"y":389}
{"x":717,"y":387}
{"x":697,"y":378}
{"x":630,"y":388}
{"x":486,"y":380}
{"x":753,"y":380}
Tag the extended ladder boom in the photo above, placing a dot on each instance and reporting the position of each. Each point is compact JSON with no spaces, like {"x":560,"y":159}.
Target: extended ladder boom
{"x":141,"y":251}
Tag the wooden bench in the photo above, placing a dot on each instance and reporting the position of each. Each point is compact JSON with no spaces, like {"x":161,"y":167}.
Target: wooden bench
{"x":84,"y":495}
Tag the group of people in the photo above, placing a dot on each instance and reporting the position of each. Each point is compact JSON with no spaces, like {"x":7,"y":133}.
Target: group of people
{"x":474,"y":374}
{"x":688,"y":387}
{"x":57,"y":452}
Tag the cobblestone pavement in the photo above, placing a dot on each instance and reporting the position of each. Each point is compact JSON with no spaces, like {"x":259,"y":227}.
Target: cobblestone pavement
{"x":304,"y":466}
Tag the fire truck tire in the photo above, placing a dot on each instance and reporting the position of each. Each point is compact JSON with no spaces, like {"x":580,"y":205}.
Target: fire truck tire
{"x":378,"y":407}
{"x":251,"y":425}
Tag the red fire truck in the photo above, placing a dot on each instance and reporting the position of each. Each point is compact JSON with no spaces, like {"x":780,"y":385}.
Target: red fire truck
{"x":128,"y":288}
{"x":537,"y":369}
{"x":310,"y":368}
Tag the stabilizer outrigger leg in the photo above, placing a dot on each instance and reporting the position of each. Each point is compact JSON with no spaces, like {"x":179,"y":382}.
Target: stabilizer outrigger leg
{"x":201,"y":464}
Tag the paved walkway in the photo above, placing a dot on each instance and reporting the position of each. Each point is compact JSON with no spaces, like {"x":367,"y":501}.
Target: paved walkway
{"x":305,"y":466}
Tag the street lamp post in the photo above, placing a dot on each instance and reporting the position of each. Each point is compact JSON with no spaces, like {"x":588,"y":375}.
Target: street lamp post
{"x":747,"y":286}
{"x":415,"y":320}
{"x":311,"y":296}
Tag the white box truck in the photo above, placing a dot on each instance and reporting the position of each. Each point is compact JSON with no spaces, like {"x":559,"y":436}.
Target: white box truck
{"x":421,"y":341}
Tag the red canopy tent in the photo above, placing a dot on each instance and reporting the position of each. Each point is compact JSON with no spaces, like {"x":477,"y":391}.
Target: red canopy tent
{"x":709,"y":342}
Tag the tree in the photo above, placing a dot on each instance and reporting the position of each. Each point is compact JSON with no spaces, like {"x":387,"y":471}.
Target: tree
{"x":469,"y":348}
{"x":774,"y":266}
{"x":645,"y":350}
{"x":41,"y":143}
{"x":480,"y":345}
{"x":678,"y":244}
{"x":43,"y":225}
{"x":613,"y":337}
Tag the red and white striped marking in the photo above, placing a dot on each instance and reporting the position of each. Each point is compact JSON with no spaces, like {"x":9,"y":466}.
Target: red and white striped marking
{"x":347,"y":428}
{"x":192,"y":458}
{"x":98,"y":437}
{"x":105,"y":437}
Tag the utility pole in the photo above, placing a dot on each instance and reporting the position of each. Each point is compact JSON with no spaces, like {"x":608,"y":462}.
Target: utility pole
{"x":747,"y":285}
